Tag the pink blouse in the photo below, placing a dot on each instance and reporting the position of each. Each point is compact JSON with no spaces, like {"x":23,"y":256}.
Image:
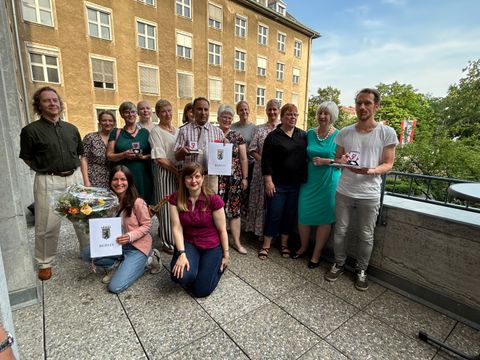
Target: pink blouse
{"x":138,"y":226}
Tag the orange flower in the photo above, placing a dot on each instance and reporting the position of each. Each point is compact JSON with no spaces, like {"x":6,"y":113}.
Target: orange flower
{"x":73,"y":211}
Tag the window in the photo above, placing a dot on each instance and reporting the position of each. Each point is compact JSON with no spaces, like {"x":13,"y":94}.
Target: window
{"x":44,"y":64}
{"x":184,"y":45}
{"x":260,"y":96}
{"x":240,"y":58}
{"x":215,"y":89}
{"x":103,"y":73}
{"x":38,"y":11}
{"x":280,"y":8}
{"x":261,"y":66}
{"x":99,"y":23}
{"x":296,"y":76}
{"x":183,"y":8}
{"x":148,"y":2}
{"x":148,"y":76}
{"x":146,"y":35}
{"x":295,"y":99}
{"x":280,"y":71}
{"x":240,"y":26}
{"x":215,"y":16}
{"x":279,"y":96}
{"x":297,"y":48}
{"x":262,"y":34}
{"x":214,"y":53}
{"x":239,"y":92}
{"x":185,"y":85}
{"x":281,"y":40}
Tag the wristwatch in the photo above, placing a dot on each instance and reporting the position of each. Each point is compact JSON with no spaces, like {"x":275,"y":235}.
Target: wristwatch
{"x":180,"y":252}
{"x":7,"y":342}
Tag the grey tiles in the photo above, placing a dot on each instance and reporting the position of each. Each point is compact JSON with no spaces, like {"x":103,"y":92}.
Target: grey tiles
{"x":464,"y":339}
{"x":323,"y":351}
{"x":364,"y":337}
{"x":409,"y":317}
{"x":29,"y":331}
{"x":270,"y":333}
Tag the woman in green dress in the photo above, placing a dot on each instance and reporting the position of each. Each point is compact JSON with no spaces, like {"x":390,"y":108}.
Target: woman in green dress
{"x":129,"y":146}
{"x":316,"y":205}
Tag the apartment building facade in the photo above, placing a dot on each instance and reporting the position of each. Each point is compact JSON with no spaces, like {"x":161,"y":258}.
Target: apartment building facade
{"x":99,"y":53}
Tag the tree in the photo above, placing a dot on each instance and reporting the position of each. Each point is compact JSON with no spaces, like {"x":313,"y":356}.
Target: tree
{"x":327,"y":94}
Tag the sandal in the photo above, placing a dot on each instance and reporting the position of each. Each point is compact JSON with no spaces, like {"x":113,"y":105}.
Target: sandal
{"x":240,"y":249}
{"x":285,"y":251}
{"x":263,"y":253}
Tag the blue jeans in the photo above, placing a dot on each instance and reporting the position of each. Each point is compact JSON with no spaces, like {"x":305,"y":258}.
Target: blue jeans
{"x":132,"y":265}
{"x":204,"y":273}
{"x":281,"y":210}
{"x":367,"y":211}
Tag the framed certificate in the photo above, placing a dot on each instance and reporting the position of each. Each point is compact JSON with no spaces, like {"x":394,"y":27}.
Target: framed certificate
{"x":219,"y":159}
{"x":103,"y":237}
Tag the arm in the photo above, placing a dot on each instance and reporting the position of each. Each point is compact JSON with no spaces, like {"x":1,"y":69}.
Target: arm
{"x":267,"y":170}
{"x":244,"y":165}
{"x":177,"y":233}
{"x":221,"y":225}
{"x":112,"y":156}
{"x":388,"y":158}
{"x":340,"y":155}
{"x":140,"y":210}
{"x":84,"y":170}
{"x":253,"y":148}
{"x":180,"y":149}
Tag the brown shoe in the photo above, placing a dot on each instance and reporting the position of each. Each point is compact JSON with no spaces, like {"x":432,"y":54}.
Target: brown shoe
{"x":45,"y":274}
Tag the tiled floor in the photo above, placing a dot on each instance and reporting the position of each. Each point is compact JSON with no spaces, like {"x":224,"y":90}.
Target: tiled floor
{"x":273,"y":309}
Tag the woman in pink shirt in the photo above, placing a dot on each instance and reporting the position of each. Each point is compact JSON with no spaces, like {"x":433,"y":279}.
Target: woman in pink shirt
{"x":199,"y":232}
{"x":122,"y":271}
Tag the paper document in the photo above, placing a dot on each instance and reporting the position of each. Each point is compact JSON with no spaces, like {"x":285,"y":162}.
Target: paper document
{"x":103,"y":237}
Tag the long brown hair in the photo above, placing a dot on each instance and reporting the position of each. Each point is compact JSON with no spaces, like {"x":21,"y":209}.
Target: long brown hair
{"x":131,"y":194}
{"x":182,"y":194}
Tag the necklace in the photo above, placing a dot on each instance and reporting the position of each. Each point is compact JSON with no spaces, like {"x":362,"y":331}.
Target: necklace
{"x":130,"y":132}
{"x":326,"y":136}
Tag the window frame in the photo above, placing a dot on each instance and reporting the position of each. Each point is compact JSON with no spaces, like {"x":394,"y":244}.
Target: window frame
{"x":184,"y":6}
{"x":99,"y":9}
{"x":214,"y":23}
{"x":210,"y":94}
{"x":281,"y":45}
{"x":297,"y":95}
{"x":239,"y":96}
{"x":148,"y":66}
{"x":214,"y":54}
{"x":185,"y":34}
{"x":261,"y":35}
{"x":262,"y":71}
{"x":261,"y":97}
{"x":296,"y":78}
{"x":297,"y":50}
{"x":37,"y":8}
{"x":240,"y":28}
{"x":145,"y":35}
{"x":280,"y":73}
{"x":43,"y":51}
{"x":145,"y":2}
{"x":104,"y":58}
{"x":280,"y":99}
{"x":186,"y":73}
{"x":241,"y":62}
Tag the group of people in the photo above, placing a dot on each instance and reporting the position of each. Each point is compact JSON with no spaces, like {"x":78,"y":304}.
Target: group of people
{"x":282,"y":179}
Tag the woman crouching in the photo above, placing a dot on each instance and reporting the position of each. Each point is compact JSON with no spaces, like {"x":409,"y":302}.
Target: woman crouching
{"x":199,"y":232}
{"x":123,"y":270}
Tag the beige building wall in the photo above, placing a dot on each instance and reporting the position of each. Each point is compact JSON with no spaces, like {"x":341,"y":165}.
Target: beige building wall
{"x":69,"y":37}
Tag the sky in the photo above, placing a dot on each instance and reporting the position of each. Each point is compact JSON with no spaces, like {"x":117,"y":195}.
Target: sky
{"x":425,"y":43}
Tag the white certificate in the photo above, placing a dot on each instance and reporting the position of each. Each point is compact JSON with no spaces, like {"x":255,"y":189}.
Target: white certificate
{"x":219,"y":159}
{"x":103,"y":236}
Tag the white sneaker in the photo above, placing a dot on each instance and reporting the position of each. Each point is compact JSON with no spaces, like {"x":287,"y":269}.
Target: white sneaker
{"x":154,"y":262}
{"x":361,"y":282}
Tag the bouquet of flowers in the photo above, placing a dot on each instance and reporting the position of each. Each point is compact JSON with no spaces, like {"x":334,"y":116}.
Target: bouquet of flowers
{"x":80,"y":203}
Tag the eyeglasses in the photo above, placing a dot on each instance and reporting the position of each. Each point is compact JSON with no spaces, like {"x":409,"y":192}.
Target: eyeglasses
{"x":129,"y":112}
{"x":291,"y":114}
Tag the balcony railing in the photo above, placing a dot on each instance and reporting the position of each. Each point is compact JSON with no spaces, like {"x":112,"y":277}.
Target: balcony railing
{"x":429,"y":189}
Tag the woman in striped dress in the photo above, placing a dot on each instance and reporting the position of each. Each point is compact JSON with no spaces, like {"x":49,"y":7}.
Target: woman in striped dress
{"x":162,"y":138}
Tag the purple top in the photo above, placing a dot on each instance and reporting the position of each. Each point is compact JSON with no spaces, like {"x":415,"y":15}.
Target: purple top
{"x":198,"y":226}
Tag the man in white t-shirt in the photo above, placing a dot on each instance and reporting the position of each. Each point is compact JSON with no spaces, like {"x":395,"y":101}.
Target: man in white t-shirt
{"x":369,"y":147}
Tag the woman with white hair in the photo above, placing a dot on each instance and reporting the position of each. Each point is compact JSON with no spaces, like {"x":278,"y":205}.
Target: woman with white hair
{"x":231,"y":188}
{"x":316,"y":205}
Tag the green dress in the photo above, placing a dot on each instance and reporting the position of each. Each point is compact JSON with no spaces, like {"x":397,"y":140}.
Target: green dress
{"x":316,"y":205}
{"x":141,"y":169}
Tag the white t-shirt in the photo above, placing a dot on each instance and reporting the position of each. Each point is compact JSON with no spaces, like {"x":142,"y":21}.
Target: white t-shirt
{"x":366,"y":150}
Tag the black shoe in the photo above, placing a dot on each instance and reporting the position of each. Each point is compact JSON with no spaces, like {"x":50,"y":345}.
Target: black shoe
{"x":313,"y":265}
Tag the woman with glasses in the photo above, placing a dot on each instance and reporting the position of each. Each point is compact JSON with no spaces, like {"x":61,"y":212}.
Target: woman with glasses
{"x":284,"y":168}
{"x":129,"y":146}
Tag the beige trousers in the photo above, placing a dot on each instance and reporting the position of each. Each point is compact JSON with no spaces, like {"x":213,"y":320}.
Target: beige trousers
{"x":47,"y":223}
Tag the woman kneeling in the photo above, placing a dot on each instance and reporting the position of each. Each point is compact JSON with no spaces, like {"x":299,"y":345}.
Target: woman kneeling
{"x":199,"y":232}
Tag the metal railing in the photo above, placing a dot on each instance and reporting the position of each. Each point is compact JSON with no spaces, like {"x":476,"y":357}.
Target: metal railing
{"x":429,"y":189}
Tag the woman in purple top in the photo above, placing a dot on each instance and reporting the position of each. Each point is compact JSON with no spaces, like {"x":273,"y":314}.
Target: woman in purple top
{"x":199,"y":233}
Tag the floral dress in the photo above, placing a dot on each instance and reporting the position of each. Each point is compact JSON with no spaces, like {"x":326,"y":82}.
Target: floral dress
{"x":230,"y":187}
{"x":256,"y":202}
{"x":96,"y":154}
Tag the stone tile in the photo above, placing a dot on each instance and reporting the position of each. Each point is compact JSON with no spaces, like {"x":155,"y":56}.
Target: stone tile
{"x":345,"y":289}
{"x":231,"y":299}
{"x":323,"y":350}
{"x":271,"y":333}
{"x":266,"y":276}
{"x":215,"y":346}
{"x":28,"y":323}
{"x":165,"y":317}
{"x":364,"y":337}
{"x":408,"y":316}
{"x":462,"y":338}
{"x":317,"y":309}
